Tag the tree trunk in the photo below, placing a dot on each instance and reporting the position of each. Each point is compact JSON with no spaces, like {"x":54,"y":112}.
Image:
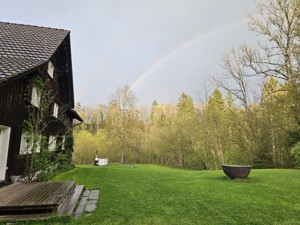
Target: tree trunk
{"x":122,"y":152}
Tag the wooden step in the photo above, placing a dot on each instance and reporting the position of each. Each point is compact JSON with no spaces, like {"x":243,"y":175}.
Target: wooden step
{"x":4,"y":183}
{"x":25,"y":217}
{"x":35,"y":201}
{"x":39,"y":197}
{"x":68,"y":208}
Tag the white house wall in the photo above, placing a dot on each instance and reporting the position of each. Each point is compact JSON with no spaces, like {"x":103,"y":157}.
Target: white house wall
{"x":4,"y":145}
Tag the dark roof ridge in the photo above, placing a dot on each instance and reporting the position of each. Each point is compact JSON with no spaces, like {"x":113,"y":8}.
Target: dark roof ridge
{"x":29,"y":25}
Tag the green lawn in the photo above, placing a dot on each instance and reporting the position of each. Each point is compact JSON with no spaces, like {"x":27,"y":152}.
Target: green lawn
{"x":150,"y":194}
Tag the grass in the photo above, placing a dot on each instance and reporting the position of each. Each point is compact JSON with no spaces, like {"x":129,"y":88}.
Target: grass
{"x":150,"y":194}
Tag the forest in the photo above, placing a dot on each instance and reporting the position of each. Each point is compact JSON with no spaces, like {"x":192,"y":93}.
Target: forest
{"x":251,"y":115}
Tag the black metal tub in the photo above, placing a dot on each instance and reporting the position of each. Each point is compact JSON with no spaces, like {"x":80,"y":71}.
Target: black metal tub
{"x":236,"y":171}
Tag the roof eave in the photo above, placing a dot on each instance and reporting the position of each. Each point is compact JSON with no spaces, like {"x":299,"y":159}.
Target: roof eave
{"x":21,"y":74}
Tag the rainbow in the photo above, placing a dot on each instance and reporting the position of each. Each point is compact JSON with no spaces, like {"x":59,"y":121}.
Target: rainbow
{"x":186,"y":43}
{"x":157,"y":63}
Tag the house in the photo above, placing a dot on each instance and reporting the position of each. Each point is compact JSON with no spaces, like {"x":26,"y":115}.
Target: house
{"x":26,"y":53}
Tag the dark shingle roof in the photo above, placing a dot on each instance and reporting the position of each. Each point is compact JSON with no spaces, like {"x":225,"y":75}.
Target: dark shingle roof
{"x":24,"y":47}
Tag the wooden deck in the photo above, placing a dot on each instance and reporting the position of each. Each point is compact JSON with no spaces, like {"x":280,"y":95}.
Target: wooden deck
{"x":40,"y":198}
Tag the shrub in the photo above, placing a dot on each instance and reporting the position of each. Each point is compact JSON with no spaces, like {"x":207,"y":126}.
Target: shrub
{"x":295,"y":153}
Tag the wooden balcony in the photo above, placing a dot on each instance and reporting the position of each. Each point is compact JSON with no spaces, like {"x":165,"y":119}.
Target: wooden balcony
{"x":23,"y":201}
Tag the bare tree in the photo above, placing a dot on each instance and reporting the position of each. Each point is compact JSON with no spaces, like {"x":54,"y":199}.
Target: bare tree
{"x":123,"y":101}
{"x":276,"y":22}
{"x":237,"y":73}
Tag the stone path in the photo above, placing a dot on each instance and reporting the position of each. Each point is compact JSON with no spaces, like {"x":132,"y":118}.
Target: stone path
{"x":87,"y":204}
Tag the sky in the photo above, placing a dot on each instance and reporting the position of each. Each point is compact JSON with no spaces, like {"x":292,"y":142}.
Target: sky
{"x":160,"y":48}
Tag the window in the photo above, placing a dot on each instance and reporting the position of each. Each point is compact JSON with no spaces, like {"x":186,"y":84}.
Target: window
{"x":35,"y":97}
{"x":60,"y":143}
{"x":55,"y":110}
{"x":50,"y":69}
{"x":63,"y":142}
{"x":26,"y":144}
{"x":52,"y":143}
{"x":23,"y":145}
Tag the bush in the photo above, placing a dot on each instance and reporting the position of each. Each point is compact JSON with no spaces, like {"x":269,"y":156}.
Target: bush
{"x":63,"y":162}
{"x":295,"y":153}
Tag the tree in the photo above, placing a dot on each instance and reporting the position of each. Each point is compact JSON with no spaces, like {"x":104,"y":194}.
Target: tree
{"x":157,"y":114}
{"x":277,"y":22}
{"x":185,"y":129}
{"x":234,"y":64}
{"x":86,"y":147}
{"x":215,"y":133}
{"x":121,"y":104}
{"x":185,"y":107}
{"x":274,"y":125}
{"x":278,"y":57}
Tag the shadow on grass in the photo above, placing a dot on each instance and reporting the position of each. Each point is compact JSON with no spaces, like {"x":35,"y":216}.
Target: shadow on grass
{"x":224,"y":178}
